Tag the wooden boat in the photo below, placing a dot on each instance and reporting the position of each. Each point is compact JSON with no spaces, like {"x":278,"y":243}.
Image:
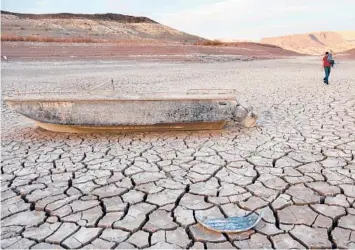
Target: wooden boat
{"x":157,"y":112}
{"x":231,"y":224}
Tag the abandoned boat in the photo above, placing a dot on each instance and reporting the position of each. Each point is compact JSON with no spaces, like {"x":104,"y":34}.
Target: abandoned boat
{"x":132,"y":113}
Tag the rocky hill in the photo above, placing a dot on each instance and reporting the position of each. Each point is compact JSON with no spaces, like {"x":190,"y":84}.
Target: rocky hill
{"x":103,"y":17}
{"x":97,"y":26}
{"x":315,"y":43}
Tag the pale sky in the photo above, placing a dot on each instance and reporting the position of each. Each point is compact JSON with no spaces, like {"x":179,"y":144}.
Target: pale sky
{"x":215,"y":19}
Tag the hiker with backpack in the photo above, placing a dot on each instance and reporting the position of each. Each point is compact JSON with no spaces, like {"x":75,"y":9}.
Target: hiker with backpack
{"x":330,"y":58}
{"x":328,"y":63}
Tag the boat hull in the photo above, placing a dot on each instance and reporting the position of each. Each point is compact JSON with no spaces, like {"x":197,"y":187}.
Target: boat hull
{"x":129,"y":114}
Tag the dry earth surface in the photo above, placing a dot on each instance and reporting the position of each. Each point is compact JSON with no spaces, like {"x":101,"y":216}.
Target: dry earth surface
{"x":144,"y":190}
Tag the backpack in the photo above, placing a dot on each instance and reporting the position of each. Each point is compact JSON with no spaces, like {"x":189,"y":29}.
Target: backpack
{"x":330,"y":59}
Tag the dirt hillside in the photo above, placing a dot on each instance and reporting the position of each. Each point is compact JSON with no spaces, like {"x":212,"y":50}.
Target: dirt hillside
{"x":315,"y":43}
{"x":349,"y":54}
{"x":98,"y":26}
{"x":110,"y":35}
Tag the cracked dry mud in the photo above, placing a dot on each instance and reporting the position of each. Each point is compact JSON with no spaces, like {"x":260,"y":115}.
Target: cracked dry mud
{"x":144,"y":190}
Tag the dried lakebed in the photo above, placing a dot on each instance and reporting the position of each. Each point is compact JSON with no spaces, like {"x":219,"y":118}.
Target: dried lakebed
{"x":144,"y":190}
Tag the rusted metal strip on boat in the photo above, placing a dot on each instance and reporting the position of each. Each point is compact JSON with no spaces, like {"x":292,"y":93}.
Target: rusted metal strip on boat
{"x":137,"y":128}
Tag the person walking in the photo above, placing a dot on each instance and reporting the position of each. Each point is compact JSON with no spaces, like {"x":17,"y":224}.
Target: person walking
{"x":327,"y":68}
